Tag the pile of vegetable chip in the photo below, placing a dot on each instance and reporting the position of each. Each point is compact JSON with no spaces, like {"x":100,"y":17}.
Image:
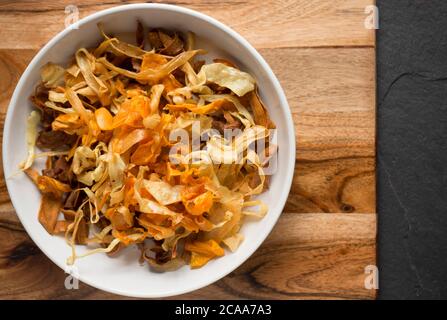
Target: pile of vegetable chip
{"x":148,"y":145}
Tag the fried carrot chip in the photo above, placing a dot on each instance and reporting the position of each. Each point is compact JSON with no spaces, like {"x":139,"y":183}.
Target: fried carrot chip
{"x":49,"y":211}
{"x":203,"y":251}
{"x":260,"y":114}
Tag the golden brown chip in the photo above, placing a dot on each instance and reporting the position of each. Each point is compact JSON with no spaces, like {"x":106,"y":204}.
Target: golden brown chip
{"x":49,"y":211}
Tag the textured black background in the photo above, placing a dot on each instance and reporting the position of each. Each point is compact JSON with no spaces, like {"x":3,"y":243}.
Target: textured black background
{"x":412,"y":149}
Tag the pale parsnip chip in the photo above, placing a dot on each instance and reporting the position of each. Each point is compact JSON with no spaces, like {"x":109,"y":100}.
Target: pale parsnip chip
{"x":233,"y":242}
{"x":237,"y":81}
{"x":163,"y":192}
{"x":31,"y":137}
{"x":57,"y":96}
{"x":52,"y":75}
{"x":116,"y":167}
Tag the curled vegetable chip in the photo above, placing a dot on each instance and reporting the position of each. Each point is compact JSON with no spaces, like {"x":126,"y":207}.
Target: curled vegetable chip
{"x":237,"y":81}
{"x":163,"y":192}
{"x":31,"y":138}
{"x":203,"y":251}
{"x":233,"y":242}
{"x":52,"y":75}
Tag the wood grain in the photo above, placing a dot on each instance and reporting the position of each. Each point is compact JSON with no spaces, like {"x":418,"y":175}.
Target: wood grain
{"x":266,"y":24}
{"x":311,"y":256}
{"x":326,"y":235}
{"x":331,"y":92}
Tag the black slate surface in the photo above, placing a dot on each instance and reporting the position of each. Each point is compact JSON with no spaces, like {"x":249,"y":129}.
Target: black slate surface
{"x":412,"y":149}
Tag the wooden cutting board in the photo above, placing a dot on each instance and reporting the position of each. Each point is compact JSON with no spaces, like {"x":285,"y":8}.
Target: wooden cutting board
{"x":324,"y":58}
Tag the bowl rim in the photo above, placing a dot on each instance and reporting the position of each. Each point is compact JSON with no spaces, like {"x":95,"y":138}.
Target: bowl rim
{"x":247,"y":46}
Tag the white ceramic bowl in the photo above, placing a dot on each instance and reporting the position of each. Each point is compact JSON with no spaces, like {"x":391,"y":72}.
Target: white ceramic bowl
{"x":123,"y":275}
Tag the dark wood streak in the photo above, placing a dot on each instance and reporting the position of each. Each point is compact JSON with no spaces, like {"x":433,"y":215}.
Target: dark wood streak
{"x":345,"y":181}
{"x":331,"y":176}
{"x":307,"y":161}
{"x":226,"y":286}
{"x":22,"y":251}
{"x":308,"y":197}
{"x":11,"y":226}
